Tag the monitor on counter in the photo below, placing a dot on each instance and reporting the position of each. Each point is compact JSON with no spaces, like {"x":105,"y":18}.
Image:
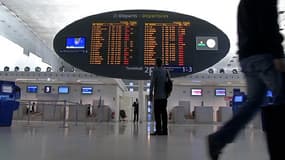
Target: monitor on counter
{"x":47,"y":89}
{"x":196,"y":92}
{"x":220,"y":92}
{"x":238,"y":98}
{"x":63,"y":89}
{"x":86,"y":90}
{"x":269,"y":93}
{"x":32,"y":89}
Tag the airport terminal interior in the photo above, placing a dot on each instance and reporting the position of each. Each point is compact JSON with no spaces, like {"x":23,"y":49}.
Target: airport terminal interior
{"x":70,"y":72}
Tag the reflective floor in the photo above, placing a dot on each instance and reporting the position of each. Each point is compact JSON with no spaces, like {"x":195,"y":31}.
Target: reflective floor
{"x":120,"y":141}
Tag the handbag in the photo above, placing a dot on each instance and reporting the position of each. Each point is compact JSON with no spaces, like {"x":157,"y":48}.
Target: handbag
{"x":168,"y":85}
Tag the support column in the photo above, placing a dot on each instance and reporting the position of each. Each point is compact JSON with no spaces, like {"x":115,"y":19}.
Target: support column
{"x":142,"y":108}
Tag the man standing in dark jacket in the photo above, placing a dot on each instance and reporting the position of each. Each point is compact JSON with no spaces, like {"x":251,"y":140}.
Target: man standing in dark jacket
{"x":136,"y":110}
{"x":157,"y":85}
{"x":262,"y":62}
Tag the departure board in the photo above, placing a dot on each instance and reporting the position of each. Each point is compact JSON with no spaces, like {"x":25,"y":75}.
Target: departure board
{"x":113,"y":43}
{"x":165,"y":40}
{"x":125,"y":44}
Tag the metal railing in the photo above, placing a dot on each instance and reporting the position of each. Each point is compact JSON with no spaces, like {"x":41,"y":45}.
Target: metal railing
{"x":60,"y":110}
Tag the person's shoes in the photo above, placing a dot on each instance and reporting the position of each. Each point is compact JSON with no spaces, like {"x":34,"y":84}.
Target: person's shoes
{"x":154,"y":133}
{"x":213,"y":148}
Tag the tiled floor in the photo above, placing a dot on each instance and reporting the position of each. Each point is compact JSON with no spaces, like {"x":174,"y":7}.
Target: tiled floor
{"x":120,"y":141}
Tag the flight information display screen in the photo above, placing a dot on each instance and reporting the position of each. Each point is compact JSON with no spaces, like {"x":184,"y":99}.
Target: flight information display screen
{"x":75,"y":42}
{"x":125,"y":44}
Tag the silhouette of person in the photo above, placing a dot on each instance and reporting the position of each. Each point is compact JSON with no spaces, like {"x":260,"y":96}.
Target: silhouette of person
{"x":261,"y":59}
{"x":157,"y":85}
{"x":136,"y":110}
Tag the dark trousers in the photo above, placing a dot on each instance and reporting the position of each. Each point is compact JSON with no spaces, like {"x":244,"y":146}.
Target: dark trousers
{"x":273,"y":118}
{"x":160,"y":115}
{"x":136,"y":116}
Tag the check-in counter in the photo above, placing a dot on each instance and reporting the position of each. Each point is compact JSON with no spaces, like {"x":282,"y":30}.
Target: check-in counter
{"x":104,"y":113}
{"x":187,"y":107}
{"x":225,"y":113}
{"x":78,"y":113}
{"x":20,"y":113}
{"x":178,"y":113}
{"x":204,"y":114}
{"x":53,"y":113}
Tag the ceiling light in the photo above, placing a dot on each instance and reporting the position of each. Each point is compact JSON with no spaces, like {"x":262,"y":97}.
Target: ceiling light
{"x":27,"y":69}
{"x":48,"y":69}
{"x":210,"y":71}
{"x":38,"y":69}
{"x":6,"y":68}
{"x":235,"y":71}
{"x":16,"y":69}
{"x":222,"y":71}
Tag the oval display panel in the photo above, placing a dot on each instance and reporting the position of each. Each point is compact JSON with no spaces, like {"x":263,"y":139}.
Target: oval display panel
{"x":125,"y":44}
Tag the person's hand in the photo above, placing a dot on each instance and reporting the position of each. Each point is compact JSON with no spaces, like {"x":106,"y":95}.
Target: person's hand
{"x":279,"y":64}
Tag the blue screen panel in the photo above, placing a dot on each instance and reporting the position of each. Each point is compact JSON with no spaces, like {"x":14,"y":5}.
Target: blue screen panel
{"x":238,"y":99}
{"x":63,"y":90}
{"x":269,"y":93}
{"x":75,"y":42}
{"x":220,"y":92}
{"x":86,"y":90}
{"x":7,"y":89}
{"x":32,"y":89}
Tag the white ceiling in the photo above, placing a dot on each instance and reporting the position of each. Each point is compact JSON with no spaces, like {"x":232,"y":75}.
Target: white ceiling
{"x":47,"y":17}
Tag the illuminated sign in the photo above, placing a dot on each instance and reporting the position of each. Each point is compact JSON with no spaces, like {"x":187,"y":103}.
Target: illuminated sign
{"x":125,"y":44}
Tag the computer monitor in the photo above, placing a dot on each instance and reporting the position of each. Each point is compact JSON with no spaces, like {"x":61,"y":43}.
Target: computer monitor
{"x":238,"y":98}
{"x":269,"y":93}
{"x":75,"y":43}
{"x":220,"y":92}
{"x":87,"y":90}
{"x":196,"y":92}
{"x":7,"y":89}
{"x":47,"y":89}
{"x":32,"y":89}
{"x":63,"y":89}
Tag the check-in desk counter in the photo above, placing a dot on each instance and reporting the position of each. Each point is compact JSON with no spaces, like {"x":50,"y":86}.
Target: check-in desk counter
{"x":78,"y":112}
{"x":104,"y":113}
{"x":204,"y":114}
{"x":20,"y":113}
{"x":178,"y":113}
{"x":53,"y":113}
{"x":187,"y":107}
{"x":225,"y":113}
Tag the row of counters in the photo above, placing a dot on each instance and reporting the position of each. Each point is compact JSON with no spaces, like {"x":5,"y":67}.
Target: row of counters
{"x":209,"y":114}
